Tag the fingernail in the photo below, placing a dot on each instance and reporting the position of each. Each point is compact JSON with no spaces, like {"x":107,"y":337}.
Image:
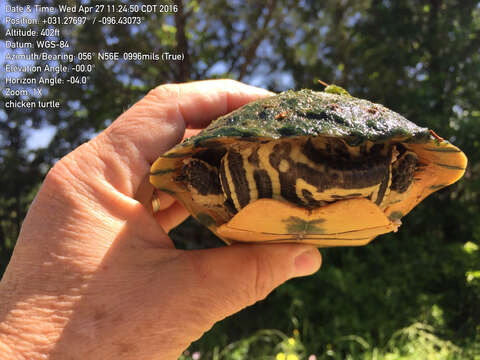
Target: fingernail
{"x":307,"y":262}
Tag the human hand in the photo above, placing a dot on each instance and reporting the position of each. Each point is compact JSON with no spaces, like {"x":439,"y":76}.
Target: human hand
{"x":94,"y":275}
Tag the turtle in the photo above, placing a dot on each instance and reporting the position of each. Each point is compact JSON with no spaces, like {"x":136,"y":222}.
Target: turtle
{"x":317,"y":167}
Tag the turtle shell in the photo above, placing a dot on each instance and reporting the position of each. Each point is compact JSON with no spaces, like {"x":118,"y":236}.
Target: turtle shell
{"x":323,"y":168}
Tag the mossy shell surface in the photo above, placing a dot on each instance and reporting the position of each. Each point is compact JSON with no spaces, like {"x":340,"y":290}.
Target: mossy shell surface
{"x":310,"y":113}
{"x":300,"y":114}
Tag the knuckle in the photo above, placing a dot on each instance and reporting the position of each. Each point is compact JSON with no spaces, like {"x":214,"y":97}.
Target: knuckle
{"x":62,"y":172}
{"x":70,"y":175}
{"x":165,"y":91}
{"x":58,"y":185}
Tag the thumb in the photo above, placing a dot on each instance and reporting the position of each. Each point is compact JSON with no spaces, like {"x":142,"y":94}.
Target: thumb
{"x":234,"y":277}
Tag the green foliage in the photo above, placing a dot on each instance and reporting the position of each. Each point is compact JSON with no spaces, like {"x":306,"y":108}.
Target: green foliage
{"x":413,"y":294}
{"x":263,"y":344}
{"x":416,"y":341}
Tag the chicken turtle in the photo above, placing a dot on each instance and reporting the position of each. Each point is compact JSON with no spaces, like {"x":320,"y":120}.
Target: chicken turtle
{"x":323,"y":168}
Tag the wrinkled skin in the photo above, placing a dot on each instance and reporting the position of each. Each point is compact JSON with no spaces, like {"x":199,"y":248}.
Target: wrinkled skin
{"x":94,"y":274}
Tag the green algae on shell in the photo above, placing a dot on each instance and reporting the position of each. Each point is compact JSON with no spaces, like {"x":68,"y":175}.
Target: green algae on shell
{"x":311,"y":113}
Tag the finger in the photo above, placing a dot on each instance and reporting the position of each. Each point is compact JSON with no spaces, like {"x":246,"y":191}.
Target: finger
{"x":158,"y":121}
{"x":145,"y":193}
{"x":233,"y":277}
{"x":190,"y":132}
{"x":172,"y":216}
{"x":161,"y":201}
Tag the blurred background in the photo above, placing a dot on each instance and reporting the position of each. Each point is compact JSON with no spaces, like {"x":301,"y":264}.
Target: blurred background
{"x":410,"y":295}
